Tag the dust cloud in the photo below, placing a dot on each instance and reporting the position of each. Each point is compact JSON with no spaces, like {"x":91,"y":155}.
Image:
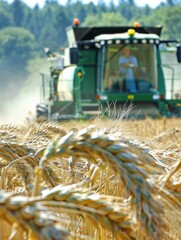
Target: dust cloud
{"x":19,"y":105}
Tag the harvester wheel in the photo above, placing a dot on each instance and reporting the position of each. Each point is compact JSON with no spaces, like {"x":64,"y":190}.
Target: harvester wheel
{"x":42,"y":111}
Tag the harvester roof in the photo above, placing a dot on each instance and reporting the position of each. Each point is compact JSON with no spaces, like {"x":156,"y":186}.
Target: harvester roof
{"x":77,"y":34}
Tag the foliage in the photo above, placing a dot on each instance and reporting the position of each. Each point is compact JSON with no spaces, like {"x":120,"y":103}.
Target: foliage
{"x":6,"y":18}
{"x":105,"y":19}
{"x":16,"y":47}
{"x":17,"y":44}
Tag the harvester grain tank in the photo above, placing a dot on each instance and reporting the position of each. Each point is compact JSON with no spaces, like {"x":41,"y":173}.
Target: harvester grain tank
{"x":90,"y":80}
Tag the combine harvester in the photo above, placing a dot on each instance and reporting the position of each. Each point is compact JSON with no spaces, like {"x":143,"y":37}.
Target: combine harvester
{"x":89,"y":81}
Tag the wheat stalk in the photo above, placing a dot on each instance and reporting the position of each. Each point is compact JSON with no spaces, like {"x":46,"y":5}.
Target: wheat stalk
{"x":120,"y":157}
{"x":25,"y":211}
{"x":97,"y":208}
{"x":24,"y":159}
{"x":101,"y":159}
{"x":21,"y":210}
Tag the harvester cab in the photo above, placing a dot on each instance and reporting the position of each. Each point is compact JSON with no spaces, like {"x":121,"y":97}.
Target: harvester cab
{"x":95,"y":74}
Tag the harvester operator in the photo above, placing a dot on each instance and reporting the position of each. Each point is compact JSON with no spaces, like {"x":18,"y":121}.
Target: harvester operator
{"x":128,"y":65}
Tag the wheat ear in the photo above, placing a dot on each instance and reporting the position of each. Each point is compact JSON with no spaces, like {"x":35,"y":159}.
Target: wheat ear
{"x":120,"y":157}
{"x":22,"y":210}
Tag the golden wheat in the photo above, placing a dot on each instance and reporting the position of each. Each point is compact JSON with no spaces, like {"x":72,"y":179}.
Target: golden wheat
{"x":120,"y":179}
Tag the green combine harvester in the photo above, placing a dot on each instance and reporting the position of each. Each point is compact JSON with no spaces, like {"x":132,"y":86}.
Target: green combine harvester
{"x":86,"y":80}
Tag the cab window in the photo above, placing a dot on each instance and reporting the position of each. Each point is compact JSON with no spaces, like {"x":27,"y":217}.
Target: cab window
{"x":144,"y":72}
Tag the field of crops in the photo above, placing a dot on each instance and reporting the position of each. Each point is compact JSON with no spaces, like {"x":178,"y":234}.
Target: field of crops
{"x":98,"y":179}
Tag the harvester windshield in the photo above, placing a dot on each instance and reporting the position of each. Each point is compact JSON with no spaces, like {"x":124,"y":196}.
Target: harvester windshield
{"x":142,"y":67}
{"x":172,"y":73}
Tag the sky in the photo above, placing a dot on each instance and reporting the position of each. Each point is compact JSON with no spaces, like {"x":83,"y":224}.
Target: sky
{"x":141,"y":3}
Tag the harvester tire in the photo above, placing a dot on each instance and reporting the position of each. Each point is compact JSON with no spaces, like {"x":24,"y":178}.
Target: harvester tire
{"x":42,"y":111}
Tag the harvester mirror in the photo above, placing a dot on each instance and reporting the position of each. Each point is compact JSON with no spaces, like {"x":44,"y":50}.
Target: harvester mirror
{"x":179,"y":53}
{"x":74,"y":55}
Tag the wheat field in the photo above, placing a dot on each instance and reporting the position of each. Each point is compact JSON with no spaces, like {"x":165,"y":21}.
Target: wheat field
{"x":97,"y":179}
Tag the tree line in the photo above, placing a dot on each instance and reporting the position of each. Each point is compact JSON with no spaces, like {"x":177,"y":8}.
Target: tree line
{"x":25,"y":31}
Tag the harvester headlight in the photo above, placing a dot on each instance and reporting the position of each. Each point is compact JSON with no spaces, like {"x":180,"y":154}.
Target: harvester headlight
{"x":156,"y":96}
{"x":101,"y":97}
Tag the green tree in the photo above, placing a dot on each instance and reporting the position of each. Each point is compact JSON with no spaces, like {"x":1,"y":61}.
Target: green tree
{"x":79,"y":11}
{"x":173,"y":2}
{"x":131,"y":2}
{"x":91,"y":8}
{"x":155,"y":17}
{"x":16,"y":48}
{"x":51,"y":2}
{"x":105,"y":19}
{"x":18,"y":12}
{"x":172,"y":22}
{"x":48,"y":33}
{"x":34,"y":23}
{"x":5,"y":18}
{"x":61,"y":21}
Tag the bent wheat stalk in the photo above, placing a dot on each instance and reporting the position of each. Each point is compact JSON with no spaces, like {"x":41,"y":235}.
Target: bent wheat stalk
{"x":27,"y":211}
{"x":24,"y":159}
{"x":23,"y":210}
{"x":120,"y":157}
{"x":97,"y":208}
